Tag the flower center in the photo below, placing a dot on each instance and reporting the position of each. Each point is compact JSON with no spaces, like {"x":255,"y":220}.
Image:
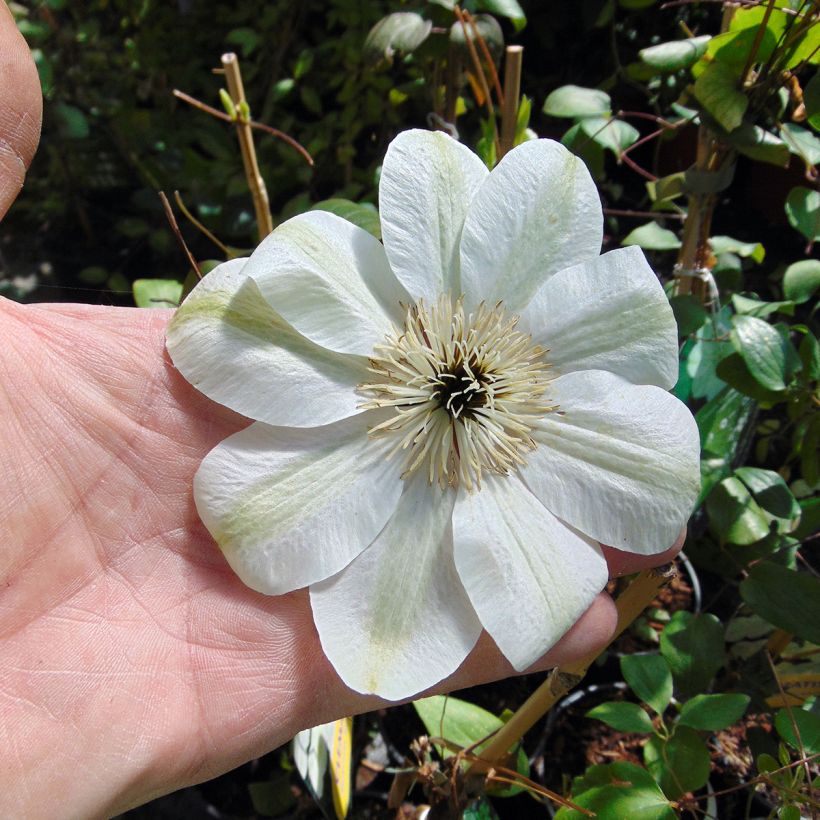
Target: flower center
{"x":466,"y":390}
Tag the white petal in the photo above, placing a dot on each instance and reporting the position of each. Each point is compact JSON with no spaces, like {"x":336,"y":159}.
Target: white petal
{"x":329,"y":279}
{"x":538,"y":212}
{"x":609,"y":313}
{"x":397,"y":620}
{"x":528,"y":575}
{"x":427,"y":182}
{"x":620,"y":462}
{"x":231,"y":345}
{"x":289,"y":507}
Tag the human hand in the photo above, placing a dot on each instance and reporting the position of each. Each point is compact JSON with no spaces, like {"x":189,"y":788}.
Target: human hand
{"x":132,"y":660}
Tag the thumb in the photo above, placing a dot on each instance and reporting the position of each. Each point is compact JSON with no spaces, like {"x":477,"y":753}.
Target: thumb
{"x":21,"y":109}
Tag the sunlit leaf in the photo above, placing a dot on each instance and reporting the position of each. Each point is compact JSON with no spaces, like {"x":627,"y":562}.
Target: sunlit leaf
{"x":652,"y":237}
{"x":401,"y":32}
{"x":762,"y":348}
{"x":716,"y":90}
{"x":157,"y":293}
{"x":623,"y":716}
{"x":575,"y":101}
{"x":803,"y":212}
{"x":734,"y":515}
{"x":676,"y":54}
{"x":802,"y":280}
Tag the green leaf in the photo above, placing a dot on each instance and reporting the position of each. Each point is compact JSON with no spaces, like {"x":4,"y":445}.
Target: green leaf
{"x":401,"y":32}
{"x":71,"y":122}
{"x":754,"y":307}
{"x":728,"y":244}
{"x":734,"y":372}
{"x":576,"y":101}
{"x":716,"y":90}
{"x":803,"y":212}
{"x":732,"y":47}
{"x":801,"y":280}
{"x":713,"y":712}
{"x":711,"y":345}
{"x":759,"y":144}
{"x":636,"y":4}
{"x":246,"y":38}
{"x":770,"y":491}
{"x":784,"y":597}
{"x":690,"y":314}
{"x":801,"y":142}
{"x":808,"y":726}
{"x":652,"y":237}
{"x":680,"y":764}
{"x":272,"y":797}
{"x":157,"y":293}
{"x":616,"y":791}
{"x":623,"y":716}
{"x":675,"y":55}
{"x":650,"y":678}
{"x":463,"y":724}
{"x":723,"y":423}
{"x":667,"y":188}
{"x":734,"y":516}
{"x":811,"y":99}
{"x":762,"y":349}
{"x":363,"y":214}
{"x":609,"y":132}
{"x":458,"y":721}
{"x":693,"y":647}
{"x":809,"y":353}
{"x":505,"y":8}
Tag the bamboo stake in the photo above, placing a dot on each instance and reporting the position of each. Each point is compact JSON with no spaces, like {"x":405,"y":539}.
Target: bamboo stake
{"x":630,"y":603}
{"x":261,"y":204}
{"x":513,"y":59}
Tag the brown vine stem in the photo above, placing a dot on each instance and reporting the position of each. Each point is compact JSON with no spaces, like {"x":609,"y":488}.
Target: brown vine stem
{"x":630,"y":603}
{"x":693,"y":263}
{"x":462,"y":17}
{"x":169,"y":213}
{"x":259,"y":193}
{"x":514,"y":57}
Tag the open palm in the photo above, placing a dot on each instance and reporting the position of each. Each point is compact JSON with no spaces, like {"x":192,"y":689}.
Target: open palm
{"x":132,"y":661}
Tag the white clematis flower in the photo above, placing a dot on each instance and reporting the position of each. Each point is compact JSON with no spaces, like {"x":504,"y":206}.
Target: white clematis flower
{"x":446,"y":424}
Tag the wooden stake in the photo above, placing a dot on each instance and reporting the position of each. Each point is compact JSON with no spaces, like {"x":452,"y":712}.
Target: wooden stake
{"x":513,"y":59}
{"x":261,"y":204}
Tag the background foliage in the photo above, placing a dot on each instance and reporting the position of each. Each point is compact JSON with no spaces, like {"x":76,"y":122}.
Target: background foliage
{"x":713,"y":691}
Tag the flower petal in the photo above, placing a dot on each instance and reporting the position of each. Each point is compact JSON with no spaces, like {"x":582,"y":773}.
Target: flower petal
{"x":536,"y":213}
{"x":290,"y":507}
{"x":427,"y":182}
{"x":609,"y":313}
{"x":330,"y":280}
{"x":397,"y":620}
{"x":619,"y":462}
{"x":231,"y":345}
{"x":528,"y":575}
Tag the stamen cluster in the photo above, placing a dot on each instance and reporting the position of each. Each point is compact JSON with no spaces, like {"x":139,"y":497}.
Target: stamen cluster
{"x":466,"y":388}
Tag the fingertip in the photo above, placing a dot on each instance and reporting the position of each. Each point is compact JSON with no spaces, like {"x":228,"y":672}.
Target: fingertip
{"x":625,"y":563}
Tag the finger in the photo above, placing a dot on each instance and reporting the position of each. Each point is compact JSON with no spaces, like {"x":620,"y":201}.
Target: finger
{"x":21,"y":109}
{"x":590,"y":634}
{"x":625,"y":563}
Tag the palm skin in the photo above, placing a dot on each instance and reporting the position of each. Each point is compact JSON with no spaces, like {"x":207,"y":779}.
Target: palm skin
{"x":132,"y":660}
